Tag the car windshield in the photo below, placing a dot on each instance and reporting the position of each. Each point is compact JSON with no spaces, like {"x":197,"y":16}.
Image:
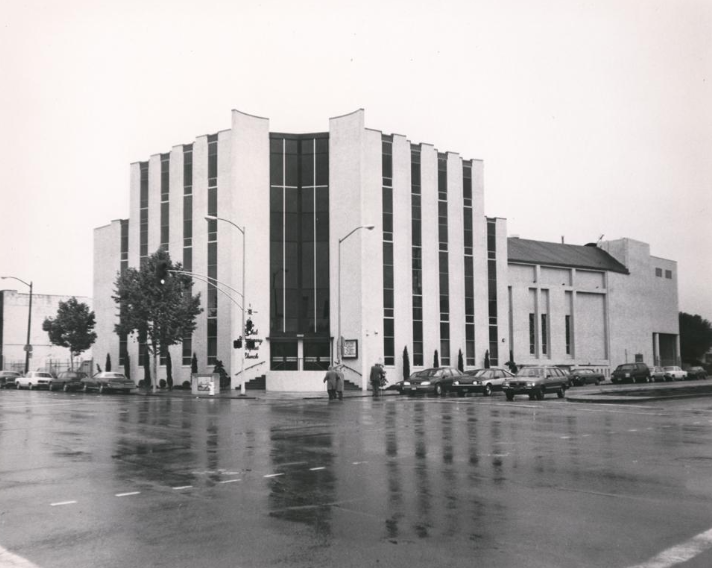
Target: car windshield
{"x":530,"y":372}
{"x":44,"y":375}
{"x":670,"y":368}
{"x":626,"y":367}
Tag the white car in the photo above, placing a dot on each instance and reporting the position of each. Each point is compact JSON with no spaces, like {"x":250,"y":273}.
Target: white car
{"x":674,"y":374}
{"x":34,"y":380}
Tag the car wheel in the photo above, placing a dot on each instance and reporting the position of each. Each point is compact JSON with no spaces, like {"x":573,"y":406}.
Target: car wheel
{"x":597,"y":382}
{"x":488,"y":390}
{"x":560,"y":393}
{"x":126,"y":391}
{"x":460,"y":393}
{"x":438,"y":390}
{"x":65,"y":388}
{"x":510,"y":396}
{"x":17,"y":386}
{"x":101,"y":389}
{"x":29,"y":386}
{"x":540,"y":395}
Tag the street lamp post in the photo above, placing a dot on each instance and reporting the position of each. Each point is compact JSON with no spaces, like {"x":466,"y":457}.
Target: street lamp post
{"x":29,"y":321}
{"x":341,"y":240}
{"x":242,"y":329}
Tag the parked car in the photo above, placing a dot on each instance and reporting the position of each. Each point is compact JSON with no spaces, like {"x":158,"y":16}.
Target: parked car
{"x":537,"y":382}
{"x":696,"y":373}
{"x":657,"y":374}
{"x":634,"y":372}
{"x":68,"y":380}
{"x":483,"y":381}
{"x":582,"y":377}
{"x":7,"y":379}
{"x":33,"y":380}
{"x":108,"y":381}
{"x":437,"y":381}
{"x":673,"y":373}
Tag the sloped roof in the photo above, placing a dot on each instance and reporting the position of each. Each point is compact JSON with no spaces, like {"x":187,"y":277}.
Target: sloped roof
{"x":556,"y":254}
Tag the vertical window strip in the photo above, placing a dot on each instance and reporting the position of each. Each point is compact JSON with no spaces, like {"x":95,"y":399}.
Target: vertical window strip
{"x":469,"y":265}
{"x":316,"y":303}
{"x":143,"y":212}
{"x":492,"y":290}
{"x":188,"y":207}
{"x":567,"y":331}
{"x":212,"y":312}
{"x":416,"y":255}
{"x":388,"y":278}
{"x":124,"y":264}
{"x":443,"y":261}
{"x":165,"y":206}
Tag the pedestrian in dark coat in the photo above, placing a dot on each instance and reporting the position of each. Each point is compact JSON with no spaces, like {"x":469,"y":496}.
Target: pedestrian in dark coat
{"x":376,"y":375}
{"x":331,"y":379}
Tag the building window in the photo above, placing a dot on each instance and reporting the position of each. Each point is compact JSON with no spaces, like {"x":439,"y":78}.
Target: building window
{"x":187,"y":352}
{"x":388,"y":278}
{"x":212,"y":299}
{"x":317,"y":354}
{"x":165,"y":191}
{"x":567,"y":332}
{"x":124,"y":264}
{"x":659,"y":272}
{"x":143,"y":213}
{"x":544,"y":335}
{"x":443,"y":261}
{"x":188,"y":208}
{"x":469,"y":265}
{"x":284,"y":355}
{"x":532,"y":334}
{"x":416,"y":254}
{"x":492,"y":290}
{"x":668,"y":274}
{"x":299,"y":239}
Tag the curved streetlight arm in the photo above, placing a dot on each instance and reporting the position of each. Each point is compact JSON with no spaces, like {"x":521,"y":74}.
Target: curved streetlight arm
{"x":18,"y":279}
{"x":367,"y":227}
{"x":215,"y":218}
{"x":210,"y":279}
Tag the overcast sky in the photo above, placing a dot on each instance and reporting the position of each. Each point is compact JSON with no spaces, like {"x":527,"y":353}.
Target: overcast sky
{"x":592,"y":117}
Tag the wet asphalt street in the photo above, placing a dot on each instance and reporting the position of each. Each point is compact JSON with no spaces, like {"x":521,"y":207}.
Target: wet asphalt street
{"x":135,"y":481}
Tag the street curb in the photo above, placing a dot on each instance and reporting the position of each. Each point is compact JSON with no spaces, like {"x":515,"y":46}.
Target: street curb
{"x":626,"y":396}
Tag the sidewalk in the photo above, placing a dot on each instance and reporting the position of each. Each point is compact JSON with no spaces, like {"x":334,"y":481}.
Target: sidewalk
{"x":261,"y":394}
{"x":618,"y":394}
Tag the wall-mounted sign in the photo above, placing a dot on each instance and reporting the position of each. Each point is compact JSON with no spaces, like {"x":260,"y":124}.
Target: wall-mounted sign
{"x":349,"y":349}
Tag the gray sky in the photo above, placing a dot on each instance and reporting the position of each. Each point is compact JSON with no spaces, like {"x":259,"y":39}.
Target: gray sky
{"x":593,"y":117}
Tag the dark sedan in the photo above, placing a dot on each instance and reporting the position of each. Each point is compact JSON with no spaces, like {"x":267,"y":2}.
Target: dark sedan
{"x":582,"y":377}
{"x":7,"y":379}
{"x":108,"y":382}
{"x":481,"y":381}
{"x":696,"y":373}
{"x":436,"y":381}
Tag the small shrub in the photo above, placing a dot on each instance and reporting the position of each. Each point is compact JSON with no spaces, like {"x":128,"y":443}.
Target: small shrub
{"x":162,"y":383}
{"x":186,"y":384}
{"x":141,"y":384}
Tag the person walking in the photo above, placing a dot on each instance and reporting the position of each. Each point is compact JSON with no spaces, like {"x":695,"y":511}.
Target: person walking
{"x":339,"y":382}
{"x":331,"y":379}
{"x":376,"y":375}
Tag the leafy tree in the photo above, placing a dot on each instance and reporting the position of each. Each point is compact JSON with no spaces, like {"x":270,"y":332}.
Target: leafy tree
{"x":194,"y":365}
{"x":406,"y":363}
{"x":162,"y":313}
{"x":487,"y":360}
{"x":73,"y":327}
{"x":220,"y":370}
{"x":695,"y":337}
{"x":107,"y":366}
{"x":436,"y":359}
{"x":460,"y":362}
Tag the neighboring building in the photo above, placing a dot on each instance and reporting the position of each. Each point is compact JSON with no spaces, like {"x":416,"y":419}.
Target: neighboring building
{"x":14,"y":307}
{"x":432,"y":274}
{"x":596,"y":306}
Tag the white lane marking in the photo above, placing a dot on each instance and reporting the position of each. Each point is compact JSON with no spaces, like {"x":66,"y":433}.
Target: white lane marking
{"x":62,"y":503}
{"x":127,"y":494}
{"x":565,"y":437}
{"x":358,"y":463}
{"x":184,"y":487}
{"x":317,"y":468}
{"x":680,"y":553}
{"x":230,"y":481}
{"x":633,"y":430}
{"x":273,"y":474}
{"x":10,"y":560}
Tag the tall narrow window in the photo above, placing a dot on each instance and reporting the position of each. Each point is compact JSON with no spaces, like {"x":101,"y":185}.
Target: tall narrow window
{"x":469,"y":264}
{"x":143,"y":214}
{"x":124,"y":264}
{"x":567,"y":333}
{"x":212,"y":299}
{"x":532,"y":334}
{"x":165,"y":204}
{"x":417,"y":254}
{"x":492,"y":290}
{"x":544,"y":334}
{"x":443,"y":261}
{"x":388,"y":278}
{"x":299,"y":250}
{"x":187,"y":354}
